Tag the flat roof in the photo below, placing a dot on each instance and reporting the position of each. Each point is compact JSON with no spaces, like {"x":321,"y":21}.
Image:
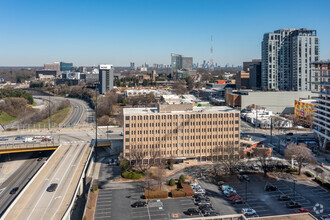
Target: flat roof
{"x":213,"y":109}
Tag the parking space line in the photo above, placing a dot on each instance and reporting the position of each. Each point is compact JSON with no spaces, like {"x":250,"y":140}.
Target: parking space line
{"x":102,"y":217}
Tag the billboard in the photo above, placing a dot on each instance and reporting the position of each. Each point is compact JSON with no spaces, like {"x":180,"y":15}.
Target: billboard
{"x":303,"y":109}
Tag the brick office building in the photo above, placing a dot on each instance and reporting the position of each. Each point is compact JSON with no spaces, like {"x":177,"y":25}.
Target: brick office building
{"x":179,"y":132}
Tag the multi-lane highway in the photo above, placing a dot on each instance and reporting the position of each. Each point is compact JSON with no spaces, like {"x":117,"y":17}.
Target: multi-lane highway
{"x":20,"y":178}
{"x":64,"y":169}
{"x":80,"y":113}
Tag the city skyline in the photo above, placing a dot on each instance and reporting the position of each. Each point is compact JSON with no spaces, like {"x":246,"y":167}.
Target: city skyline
{"x":34,"y":33}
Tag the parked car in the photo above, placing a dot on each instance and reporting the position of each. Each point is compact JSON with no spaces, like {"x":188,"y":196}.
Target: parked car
{"x":248,"y":211}
{"x":211,"y":214}
{"x":270,"y":188}
{"x":205,"y":206}
{"x":193,"y":212}
{"x":139,"y":204}
{"x":202,"y":199}
{"x":203,"y":203}
{"x":325,"y":217}
{"x":246,"y":177}
{"x":39,"y":159}
{"x":235,"y":197}
{"x":52,"y":187}
{"x":230,"y":193}
{"x":3,"y":139}
{"x":293,"y":204}
{"x":302,"y":210}
{"x":193,"y":184}
{"x":14,"y":190}
{"x":237,"y":201}
{"x":206,"y":211}
{"x":284,"y":198}
{"x":38,"y":137}
{"x":199,"y":191}
{"x":240,"y":177}
{"x":220,"y":183}
{"x":225,"y":187}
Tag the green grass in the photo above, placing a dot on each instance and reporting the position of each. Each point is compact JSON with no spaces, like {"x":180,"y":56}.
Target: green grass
{"x":6,"y":119}
{"x":57,"y":118}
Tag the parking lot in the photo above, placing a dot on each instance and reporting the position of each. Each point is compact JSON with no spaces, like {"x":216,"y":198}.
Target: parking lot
{"x":265,"y":203}
{"x":116,"y":204}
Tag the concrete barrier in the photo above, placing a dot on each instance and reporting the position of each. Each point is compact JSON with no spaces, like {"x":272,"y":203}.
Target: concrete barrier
{"x":80,"y":183}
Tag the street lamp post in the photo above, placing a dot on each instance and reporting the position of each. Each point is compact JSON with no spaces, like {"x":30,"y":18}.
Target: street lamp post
{"x":294,"y":190}
{"x":245,"y":191}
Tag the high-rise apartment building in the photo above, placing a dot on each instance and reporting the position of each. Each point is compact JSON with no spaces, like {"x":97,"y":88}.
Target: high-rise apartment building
{"x":287,"y":55}
{"x":105,"y":78}
{"x":181,"y":131}
{"x":322,"y":113}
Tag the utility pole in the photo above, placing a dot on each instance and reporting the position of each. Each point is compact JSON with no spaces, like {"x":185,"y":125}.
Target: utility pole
{"x":48,"y":111}
{"x":96,"y":91}
{"x":271,"y":130}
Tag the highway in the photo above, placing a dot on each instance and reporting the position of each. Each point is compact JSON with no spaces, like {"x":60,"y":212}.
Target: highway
{"x":80,"y":113}
{"x":64,"y":169}
{"x":19,"y":179}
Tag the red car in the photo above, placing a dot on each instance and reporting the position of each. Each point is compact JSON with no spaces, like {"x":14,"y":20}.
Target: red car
{"x":235,"y":197}
{"x":302,"y":210}
{"x":46,"y":139}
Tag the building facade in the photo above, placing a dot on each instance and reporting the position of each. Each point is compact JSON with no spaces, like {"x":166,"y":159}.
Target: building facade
{"x":287,"y":55}
{"x":322,"y":113}
{"x":181,"y":66}
{"x":180,"y":131}
{"x":58,"y":66}
{"x":105,"y":78}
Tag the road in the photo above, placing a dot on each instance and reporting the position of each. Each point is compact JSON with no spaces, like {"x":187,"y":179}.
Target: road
{"x":36,"y":202}
{"x":80,"y":113}
{"x":278,"y":143}
{"x":18,"y":179}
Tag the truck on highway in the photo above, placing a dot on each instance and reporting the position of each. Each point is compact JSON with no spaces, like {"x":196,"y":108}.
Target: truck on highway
{"x":29,"y":139}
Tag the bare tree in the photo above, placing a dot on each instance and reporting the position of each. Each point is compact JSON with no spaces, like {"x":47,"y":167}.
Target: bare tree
{"x":301,"y":154}
{"x":160,"y":175}
{"x":262,"y":156}
{"x":230,"y":161}
{"x":180,"y":87}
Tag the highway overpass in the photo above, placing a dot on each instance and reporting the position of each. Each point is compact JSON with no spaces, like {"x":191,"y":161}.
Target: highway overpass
{"x":24,"y":147}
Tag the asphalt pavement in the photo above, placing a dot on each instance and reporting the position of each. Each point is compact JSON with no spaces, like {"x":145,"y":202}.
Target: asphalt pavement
{"x":18,"y":179}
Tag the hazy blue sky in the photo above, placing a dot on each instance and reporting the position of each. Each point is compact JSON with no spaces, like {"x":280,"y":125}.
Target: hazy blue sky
{"x":88,"y":32}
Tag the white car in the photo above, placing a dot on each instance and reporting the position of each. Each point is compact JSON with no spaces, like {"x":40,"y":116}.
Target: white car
{"x":199,"y":191}
{"x":248,"y":211}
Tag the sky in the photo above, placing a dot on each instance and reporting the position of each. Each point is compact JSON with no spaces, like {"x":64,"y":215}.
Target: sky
{"x":91,"y":32}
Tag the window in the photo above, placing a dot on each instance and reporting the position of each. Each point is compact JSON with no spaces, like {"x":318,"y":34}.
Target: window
{"x":126,"y":147}
{"x":236,"y":122}
{"x":127,"y":132}
{"x":127,"y":117}
{"x":127,"y":125}
{"x":236,"y":114}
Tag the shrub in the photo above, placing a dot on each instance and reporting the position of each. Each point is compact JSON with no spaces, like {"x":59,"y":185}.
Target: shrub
{"x":291,"y":170}
{"x":170,"y":167}
{"x":130,"y":174}
{"x":178,"y":193}
{"x":187,"y":189}
{"x":95,"y":188}
{"x":155,"y":194}
{"x":123,"y":165}
{"x":309,"y":174}
{"x":171,"y":182}
{"x":182,"y":178}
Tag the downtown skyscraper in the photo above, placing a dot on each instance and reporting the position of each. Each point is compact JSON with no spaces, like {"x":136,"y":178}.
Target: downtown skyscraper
{"x":287,"y":55}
